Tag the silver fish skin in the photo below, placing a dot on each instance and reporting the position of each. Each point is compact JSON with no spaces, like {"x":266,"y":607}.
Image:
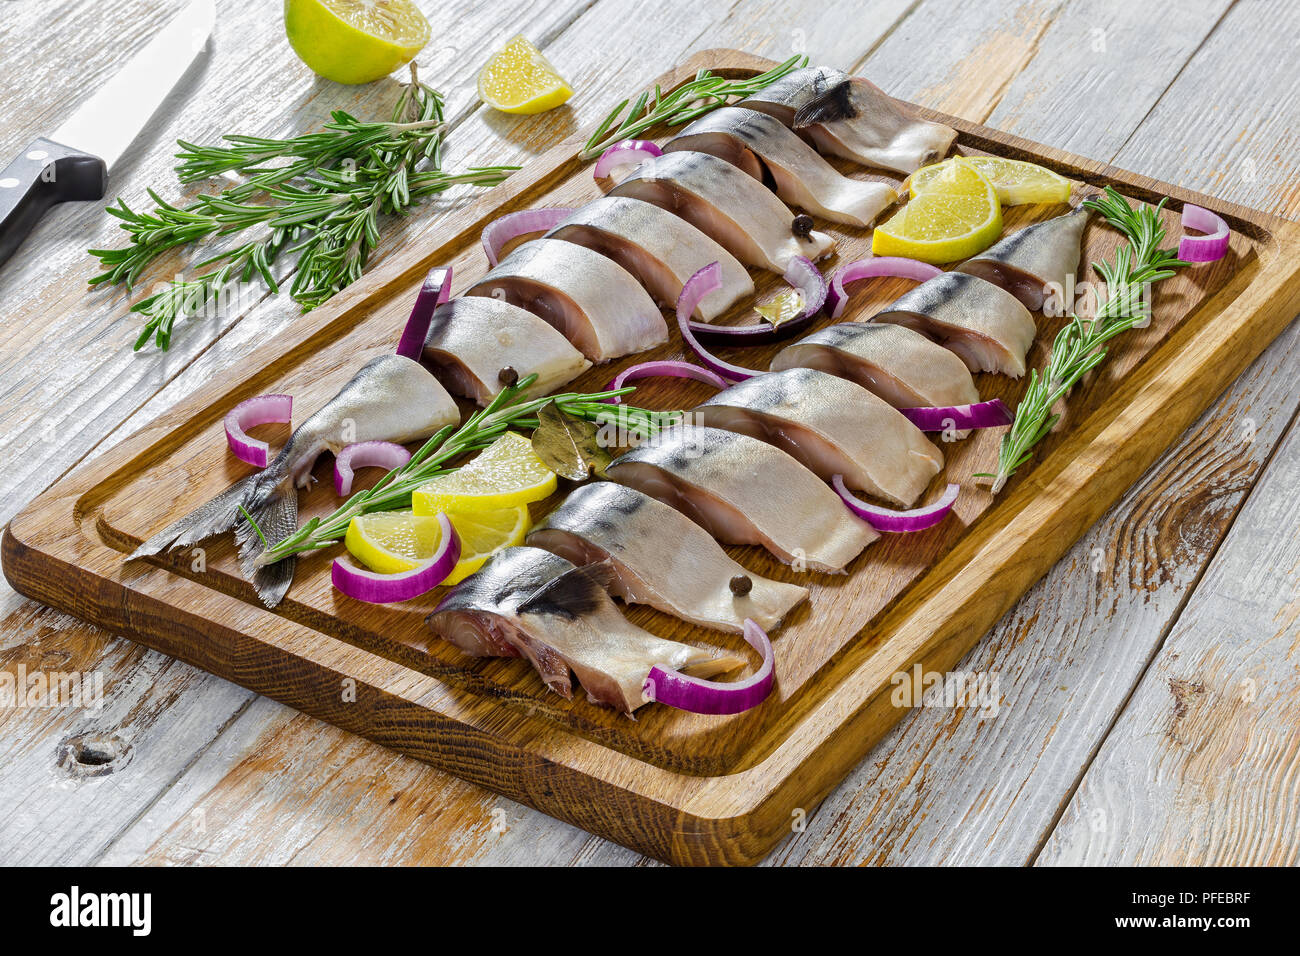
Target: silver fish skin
{"x":526,"y":602}
{"x":661,"y":250}
{"x":476,"y":345}
{"x":392,"y":398}
{"x":852,"y":118}
{"x":727,"y":204}
{"x":1028,"y":261}
{"x":988,"y":327}
{"x":832,"y":427}
{"x":594,"y":302}
{"x":756,"y":142}
{"x":745,"y":491}
{"x":661,"y":558}
{"x":895,"y":363}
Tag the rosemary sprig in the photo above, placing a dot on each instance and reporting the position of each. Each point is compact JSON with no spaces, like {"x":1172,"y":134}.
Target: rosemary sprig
{"x":319,"y":196}
{"x":507,"y":410}
{"x":692,"y":100}
{"x":1080,"y":346}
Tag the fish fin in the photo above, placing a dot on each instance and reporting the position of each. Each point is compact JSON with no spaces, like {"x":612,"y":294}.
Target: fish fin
{"x":210,"y":518}
{"x":826,"y":107}
{"x":573,"y":593}
{"x":712,"y":666}
{"x":274,"y":506}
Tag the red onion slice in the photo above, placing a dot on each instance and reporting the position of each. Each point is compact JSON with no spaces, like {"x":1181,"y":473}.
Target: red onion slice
{"x":710,"y":697}
{"x":366,"y":454}
{"x":1207,"y":248}
{"x":991,"y":414}
{"x":628,"y":152}
{"x":808,"y":279}
{"x":898,"y":522}
{"x":435,"y":291}
{"x":881,"y":267}
{"x":366,"y":585}
{"x":515,"y":224}
{"x":249,"y":413}
{"x":696,"y":288}
{"x":667,"y":368}
{"x":803,"y":275}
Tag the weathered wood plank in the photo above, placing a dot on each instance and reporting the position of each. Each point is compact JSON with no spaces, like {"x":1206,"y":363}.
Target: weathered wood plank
{"x":1230,"y":124}
{"x":1203,"y":768}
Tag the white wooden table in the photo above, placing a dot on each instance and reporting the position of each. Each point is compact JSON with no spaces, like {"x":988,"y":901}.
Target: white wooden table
{"x":1151,"y":690}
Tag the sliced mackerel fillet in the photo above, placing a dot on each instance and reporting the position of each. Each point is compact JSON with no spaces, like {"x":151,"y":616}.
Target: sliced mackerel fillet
{"x":592,"y":300}
{"x":987,"y":326}
{"x":723,"y":202}
{"x":477,"y":345}
{"x":526,"y":602}
{"x":745,"y":491}
{"x":853,"y":118}
{"x":661,"y":250}
{"x":1026,"y":263}
{"x":831,"y":426}
{"x":899,"y":365}
{"x":661,"y":558}
{"x":757,"y":143}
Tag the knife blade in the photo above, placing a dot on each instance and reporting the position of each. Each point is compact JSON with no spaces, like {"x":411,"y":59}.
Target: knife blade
{"x":73,"y":162}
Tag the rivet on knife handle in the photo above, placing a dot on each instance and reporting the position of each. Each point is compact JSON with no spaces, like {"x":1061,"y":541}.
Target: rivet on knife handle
{"x":41,"y":175}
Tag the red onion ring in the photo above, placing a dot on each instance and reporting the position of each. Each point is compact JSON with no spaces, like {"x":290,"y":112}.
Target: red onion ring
{"x":880,"y":267}
{"x":803,"y":275}
{"x":991,"y":414}
{"x":696,"y":288}
{"x":363,"y":584}
{"x":711,"y":697}
{"x":435,"y":291}
{"x":261,"y":410}
{"x":515,"y":224}
{"x":628,"y":152}
{"x":1207,"y":248}
{"x":366,"y":454}
{"x":898,"y":522}
{"x":667,"y":368}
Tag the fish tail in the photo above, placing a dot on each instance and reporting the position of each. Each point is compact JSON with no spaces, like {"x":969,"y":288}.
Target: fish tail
{"x":273,"y":505}
{"x":210,"y":518}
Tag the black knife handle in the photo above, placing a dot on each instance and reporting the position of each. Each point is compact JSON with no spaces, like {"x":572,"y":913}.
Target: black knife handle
{"x":44,"y":173}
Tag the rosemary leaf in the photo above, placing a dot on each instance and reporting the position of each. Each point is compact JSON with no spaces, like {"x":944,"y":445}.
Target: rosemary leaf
{"x":707,"y":91}
{"x":320,"y":196}
{"x":1080,"y":346}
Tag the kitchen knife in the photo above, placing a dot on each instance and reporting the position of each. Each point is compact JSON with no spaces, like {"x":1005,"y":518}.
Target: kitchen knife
{"x":73,"y":162}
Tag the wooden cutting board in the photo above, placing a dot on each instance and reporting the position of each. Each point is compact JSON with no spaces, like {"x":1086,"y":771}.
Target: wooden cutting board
{"x":684,"y":788}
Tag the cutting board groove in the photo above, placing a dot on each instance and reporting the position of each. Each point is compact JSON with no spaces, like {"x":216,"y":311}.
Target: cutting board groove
{"x":681,"y":787}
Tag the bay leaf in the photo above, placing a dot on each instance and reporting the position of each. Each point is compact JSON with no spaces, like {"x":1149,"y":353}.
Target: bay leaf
{"x":784,"y":307}
{"x":568,"y":445}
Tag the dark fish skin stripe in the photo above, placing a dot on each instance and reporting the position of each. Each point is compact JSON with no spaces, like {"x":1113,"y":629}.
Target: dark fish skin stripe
{"x":572,"y":594}
{"x":827,"y":107}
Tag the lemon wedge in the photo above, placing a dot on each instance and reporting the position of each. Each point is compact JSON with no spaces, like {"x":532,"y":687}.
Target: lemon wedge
{"x":483,"y":534}
{"x":520,"y":79}
{"x":955,"y":216}
{"x":1015,"y":181}
{"x":355,"y":41}
{"x":506,"y":474}
{"x":390,"y":542}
